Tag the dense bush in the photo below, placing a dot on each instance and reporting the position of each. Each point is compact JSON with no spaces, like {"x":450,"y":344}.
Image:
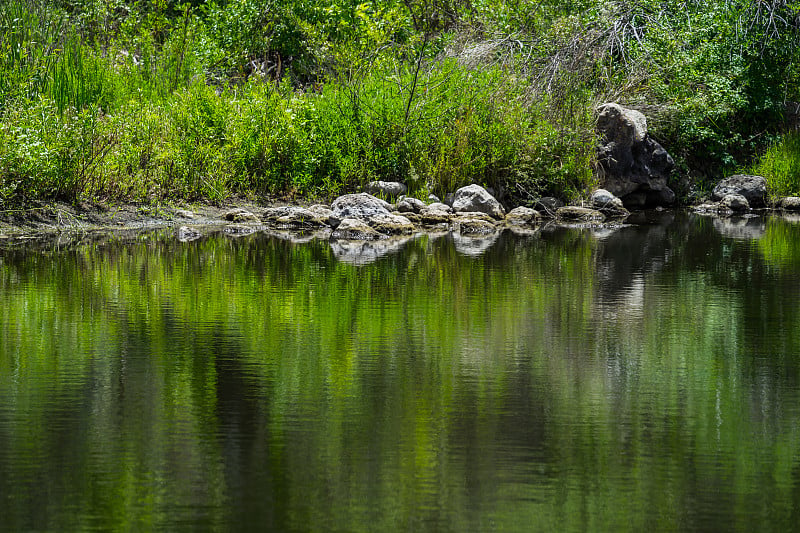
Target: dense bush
{"x":148,"y":100}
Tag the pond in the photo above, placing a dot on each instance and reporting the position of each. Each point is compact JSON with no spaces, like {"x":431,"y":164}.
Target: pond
{"x":631,"y":378}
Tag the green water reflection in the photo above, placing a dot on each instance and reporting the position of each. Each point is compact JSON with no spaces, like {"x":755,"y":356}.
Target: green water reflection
{"x":642,"y":377}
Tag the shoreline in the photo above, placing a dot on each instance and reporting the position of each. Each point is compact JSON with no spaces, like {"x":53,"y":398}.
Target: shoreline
{"x":244,"y":216}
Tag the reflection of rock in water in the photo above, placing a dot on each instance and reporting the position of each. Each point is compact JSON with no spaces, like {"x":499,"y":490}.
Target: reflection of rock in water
{"x":604,"y":232}
{"x":187,"y":234}
{"x":366,"y":252}
{"x":740,"y":228}
{"x":474,"y":245}
{"x":301,"y":238}
{"x":792,"y":218}
{"x":236,"y":230}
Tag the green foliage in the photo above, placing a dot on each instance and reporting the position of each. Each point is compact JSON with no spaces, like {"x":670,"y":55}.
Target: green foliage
{"x":318,"y":97}
{"x":780,"y":165}
{"x":30,"y":36}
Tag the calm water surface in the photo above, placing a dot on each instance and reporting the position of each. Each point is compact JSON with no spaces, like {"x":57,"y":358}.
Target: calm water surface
{"x":640,"y":378}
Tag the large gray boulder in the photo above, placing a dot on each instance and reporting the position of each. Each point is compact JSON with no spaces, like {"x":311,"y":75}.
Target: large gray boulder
{"x":632,"y":165}
{"x":361,"y":205}
{"x":387,"y":189}
{"x":475,"y":199}
{"x":753,"y":188}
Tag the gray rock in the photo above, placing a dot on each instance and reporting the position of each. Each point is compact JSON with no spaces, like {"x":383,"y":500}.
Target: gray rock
{"x":475,"y":199}
{"x":355,"y":229}
{"x":449,"y":198}
{"x":436,"y":213}
{"x":410,"y":205}
{"x":432,"y":198}
{"x":390,"y":224}
{"x":630,"y":161}
{"x":734,"y":202}
{"x":440,"y":207}
{"x":184,"y":213}
{"x":474,"y":226}
{"x":240,"y":215}
{"x":574,"y":213}
{"x":522,"y":216}
{"x":387,"y":189}
{"x":790,"y":203}
{"x":547,"y":206}
{"x":361,"y":205}
{"x":608,"y":204}
{"x":754,"y":188}
{"x":325,"y":214}
{"x":294,"y":217}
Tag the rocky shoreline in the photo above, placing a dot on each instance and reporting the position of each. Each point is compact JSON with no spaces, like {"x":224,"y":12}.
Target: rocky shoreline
{"x":633,"y":171}
{"x":472,"y":212}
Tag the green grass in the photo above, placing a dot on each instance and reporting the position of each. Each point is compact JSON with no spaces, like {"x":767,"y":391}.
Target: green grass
{"x":780,"y":165}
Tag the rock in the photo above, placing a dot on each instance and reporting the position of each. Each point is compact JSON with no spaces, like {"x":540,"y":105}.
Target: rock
{"x":474,"y":198}
{"x":432,"y":198}
{"x":753,"y":188}
{"x":390,"y":224}
{"x":574,"y":213}
{"x":522,"y":216}
{"x":630,"y":161}
{"x":433,"y":217}
{"x":387,"y":189}
{"x":410,"y":205}
{"x":472,"y":224}
{"x":295,"y":217}
{"x":184,"y":213}
{"x":443,"y":208}
{"x":325,"y":213}
{"x":735,"y":202}
{"x":608,"y":204}
{"x":436,"y":213}
{"x":790,"y":203}
{"x":414,"y":218}
{"x":355,"y":229}
{"x":448,"y":199}
{"x":547,"y":206}
{"x":361,"y":205}
{"x":240,"y":215}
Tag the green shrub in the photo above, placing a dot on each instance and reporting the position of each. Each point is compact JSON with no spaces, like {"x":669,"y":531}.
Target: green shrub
{"x":780,"y":165}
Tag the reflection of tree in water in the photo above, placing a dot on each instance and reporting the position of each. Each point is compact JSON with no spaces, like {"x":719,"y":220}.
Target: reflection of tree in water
{"x":553,"y":372}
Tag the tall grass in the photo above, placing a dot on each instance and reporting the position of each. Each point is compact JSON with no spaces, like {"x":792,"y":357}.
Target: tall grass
{"x":780,"y":165}
{"x":31,"y":33}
